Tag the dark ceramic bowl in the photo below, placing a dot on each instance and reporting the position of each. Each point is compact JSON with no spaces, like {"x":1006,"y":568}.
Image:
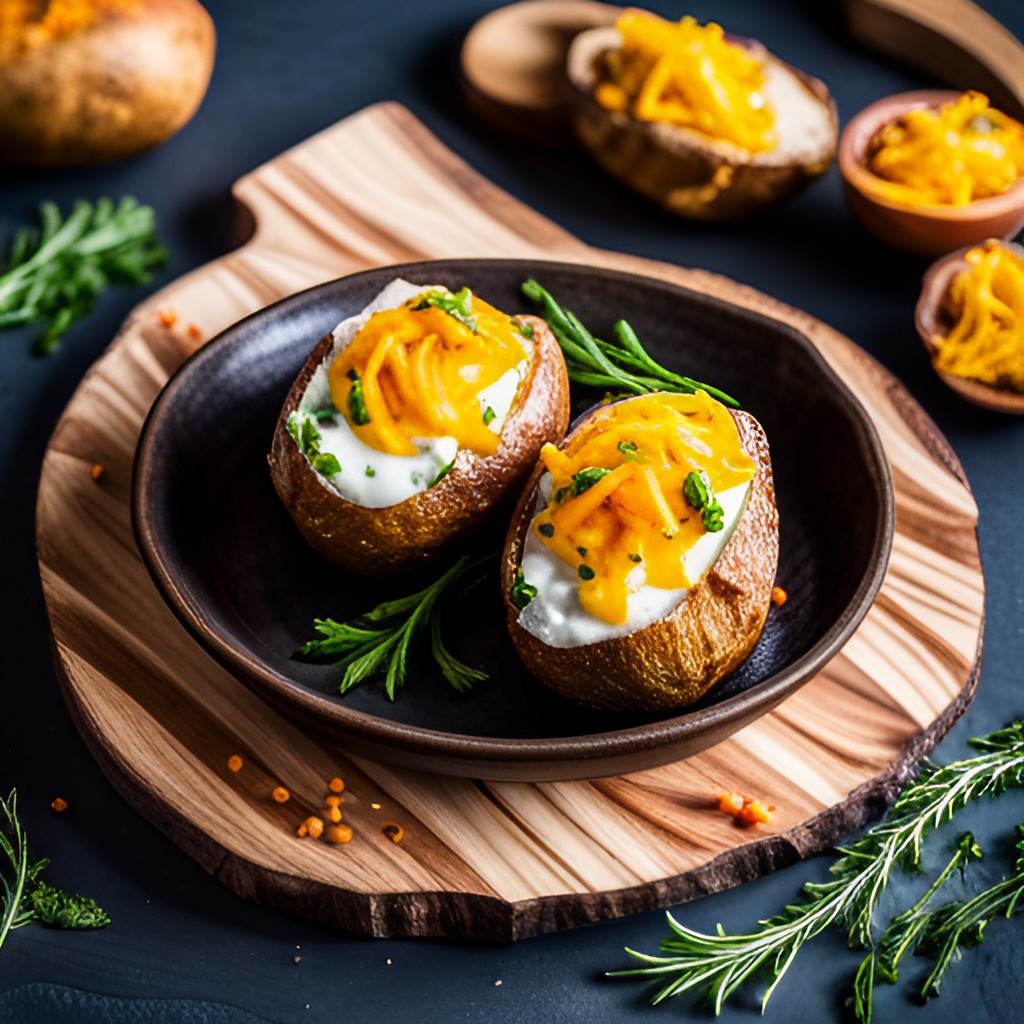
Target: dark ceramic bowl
{"x":230,"y":562}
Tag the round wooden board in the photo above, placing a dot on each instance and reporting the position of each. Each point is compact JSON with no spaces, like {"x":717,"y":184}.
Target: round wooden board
{"x":482,"y":859}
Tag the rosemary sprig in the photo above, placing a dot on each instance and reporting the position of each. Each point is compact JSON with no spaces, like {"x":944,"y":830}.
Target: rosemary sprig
{"x":379,"y":641}
{"x":23,"y":897}
{"x":718,"y":964}
{"x":54,"y":274}
{"x":622,"y":366}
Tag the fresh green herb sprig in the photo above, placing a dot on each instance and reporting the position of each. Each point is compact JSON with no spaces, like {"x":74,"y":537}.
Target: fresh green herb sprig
{"x":379,"y":641}
{"x":717,"y":965}
{"x":620,"y":367}
{"x":23,"y":896}
{"x":458,"y":306}
{"x":302,"y":425}
{"x":53,"y":275}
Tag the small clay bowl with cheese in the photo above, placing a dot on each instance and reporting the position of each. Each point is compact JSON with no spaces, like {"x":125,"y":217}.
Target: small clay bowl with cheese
{"x":928,"y":229}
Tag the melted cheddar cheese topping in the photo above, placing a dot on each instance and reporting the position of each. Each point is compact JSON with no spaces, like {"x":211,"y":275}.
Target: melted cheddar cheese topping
{"x":986,"y":303}
{"x":948,"y":156}
{"x":687,"y":75}
{"x":417,"y":372}
{"x":618,"y":501}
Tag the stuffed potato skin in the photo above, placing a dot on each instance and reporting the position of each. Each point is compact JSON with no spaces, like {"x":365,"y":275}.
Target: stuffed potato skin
{"x":416,"y":532}
{"x":672,"y":662}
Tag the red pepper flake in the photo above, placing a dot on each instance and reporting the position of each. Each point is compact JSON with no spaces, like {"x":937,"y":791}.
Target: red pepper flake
{"x":745,"y":810}
{"x":779,"y":597}
{"x":97,"y":470}
{"x":235,"y":763}
{"x":168,"y":317}
{"x":59,"y":805}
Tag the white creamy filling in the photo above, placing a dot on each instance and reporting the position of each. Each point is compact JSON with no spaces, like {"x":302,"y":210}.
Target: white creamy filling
{"x":802,"y":122}
{"x":556,"y":617}
{"x":372,"y":478}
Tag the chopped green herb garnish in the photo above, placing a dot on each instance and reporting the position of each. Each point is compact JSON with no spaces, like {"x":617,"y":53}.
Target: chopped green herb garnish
{"x":489,"y":415}
{"x":697,"y":490}
{"x":370,"y":471}
{"x":522,"y":592}
{"x":636,"y":558}
{"x":524,"y":328}
{"x":416,"y":478}
{"x":586,"y":478}
{"x":379,"y":641}
{"x":627,"y":447}
{"x":356,"y":404}
{"x":582,"y":552}
{"x":23,"y":897}
{"x":546,"y":529}
{"x":698,"y":494}
{"x":326,"y":464}
{"x":585,"y":572}
{"x":561,"y":494}
{"x":458,"y":306}
{"x":328,"y":414}
{"x":441,"y":474}
{"x":619,"y":367}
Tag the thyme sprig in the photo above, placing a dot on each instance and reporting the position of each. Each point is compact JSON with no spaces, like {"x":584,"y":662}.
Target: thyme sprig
{"x":23,"y":896}
{"x":621,"y":366}
{"x":54,"y":274}
{"x":717,"y":965}
{"x":379,"y":640}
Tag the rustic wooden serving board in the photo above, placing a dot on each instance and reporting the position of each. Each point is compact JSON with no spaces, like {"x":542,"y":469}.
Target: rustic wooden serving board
{"x":492,"y":860}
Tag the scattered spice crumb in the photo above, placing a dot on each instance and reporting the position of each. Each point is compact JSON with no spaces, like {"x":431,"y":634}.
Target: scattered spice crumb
{"x":235,"y":763}
{"x":307,"y":1006}
{"x":376,"y":807}
{"x":194,"y":332}
{"x":779,"y":597}
{"x":59,"y":805}
{"x":393,"y":831}
{"x":333,"y":814}
{"x":97,"y":470}
{"x":745,"y":810}
{"x":388,"y":961}
{"x":339,"y":834}
{"x":497,"y":983}
{"x":332,"y":801}
{"x":281,"y":795}
{"x":168,"y":317}
{"x":296,"y":959}
{"x":336,"y":785}
{"x":315,"y":828}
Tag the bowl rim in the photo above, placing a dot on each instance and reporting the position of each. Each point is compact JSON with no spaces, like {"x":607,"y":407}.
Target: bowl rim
{"x":587,"y":753}
{"x":858,"y":130}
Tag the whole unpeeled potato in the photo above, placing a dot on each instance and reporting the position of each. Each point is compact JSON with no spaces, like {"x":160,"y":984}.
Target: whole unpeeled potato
{"x":93,"y":81}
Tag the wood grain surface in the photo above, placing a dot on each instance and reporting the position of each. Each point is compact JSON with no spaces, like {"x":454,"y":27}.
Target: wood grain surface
{"x":490,"y":860}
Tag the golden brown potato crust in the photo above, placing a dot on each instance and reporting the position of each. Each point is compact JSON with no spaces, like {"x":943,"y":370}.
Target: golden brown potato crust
{"x":672,"y":662}
{"x":415,"y":532}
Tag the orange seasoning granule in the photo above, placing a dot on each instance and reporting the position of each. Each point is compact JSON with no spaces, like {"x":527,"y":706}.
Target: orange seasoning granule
{"x":168,"y":317}
{"x":235,"y":763}
{"x":280,"y":794}
{"x":393,"y":831}
{"x":97,"y":470}
{"x":312,"y":827}
{"x":339,"y":834}
{"x":745,"y":810}
{"x":779,"y":597}
{"x":59,"y":805}
{"x":336,"y":785}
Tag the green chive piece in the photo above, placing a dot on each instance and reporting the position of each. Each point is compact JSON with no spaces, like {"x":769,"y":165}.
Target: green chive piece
{"x":489,"y":415}
{"x":356,"y":404}
{"x":585,"y":572}
{"x":522,"y":592}
{"x":326,"y":464}
{"x":561,"y":494}
{"x":586,"y":478}
{"x":713,"y":517}
{"x":582,"y":552}
{"x":636,"y":558}
{"x":697,"y":490}
{"x":441,"y":474}
{"x":370,"y":471}
{"x":546,"y":529}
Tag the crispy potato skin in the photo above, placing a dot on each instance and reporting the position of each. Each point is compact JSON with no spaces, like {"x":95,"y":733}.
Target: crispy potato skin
{"x":416,"y":532}
{"x":110,"y":91}
{"x":674,"y":661}
{"x":681,"y":170}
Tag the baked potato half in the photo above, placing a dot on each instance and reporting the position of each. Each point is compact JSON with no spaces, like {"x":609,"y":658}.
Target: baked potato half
{"x":619,"y":613}
{"x":684,"y":165}
{"x":436,"y":408}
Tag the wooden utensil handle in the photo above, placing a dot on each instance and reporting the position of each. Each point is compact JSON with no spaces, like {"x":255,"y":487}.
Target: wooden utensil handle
{"x":954,"y":40}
